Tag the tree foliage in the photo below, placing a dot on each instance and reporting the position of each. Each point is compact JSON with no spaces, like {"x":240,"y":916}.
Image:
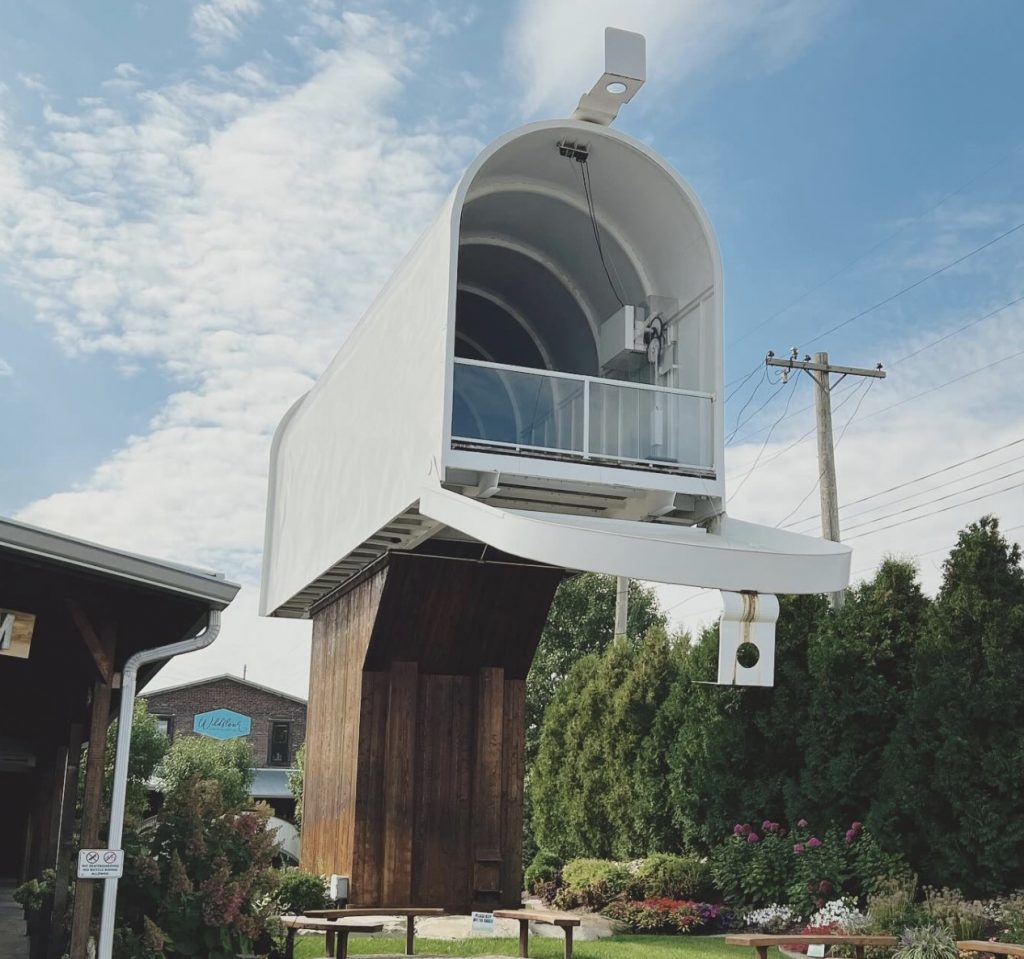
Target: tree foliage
{"x":898,"y":710}
{"x":149,"y":746}
{"x":228,"y":763}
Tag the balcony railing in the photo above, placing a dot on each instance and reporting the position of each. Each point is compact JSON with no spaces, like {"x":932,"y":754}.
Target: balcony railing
{"x":582,"y":417}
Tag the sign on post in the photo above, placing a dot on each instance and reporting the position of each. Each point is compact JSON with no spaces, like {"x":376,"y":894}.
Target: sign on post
{"x":483,"y":923}
{"x":100,"y":863}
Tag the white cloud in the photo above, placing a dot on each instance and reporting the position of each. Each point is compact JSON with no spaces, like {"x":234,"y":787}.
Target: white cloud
{"x":218,"y":23}
{"x":230,"y":234}
{"x":888,"y":443}
{"x":556,"y":46}
{"x":5,"y":368}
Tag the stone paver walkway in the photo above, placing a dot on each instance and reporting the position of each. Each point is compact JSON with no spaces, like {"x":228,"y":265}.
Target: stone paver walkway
{"x":13,"y":941}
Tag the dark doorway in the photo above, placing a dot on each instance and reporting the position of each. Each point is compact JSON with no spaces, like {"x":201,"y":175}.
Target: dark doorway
{"x":14,"y":804}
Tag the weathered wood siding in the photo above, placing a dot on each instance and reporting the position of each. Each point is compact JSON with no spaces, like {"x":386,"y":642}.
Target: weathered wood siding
{"x":415,"y":755}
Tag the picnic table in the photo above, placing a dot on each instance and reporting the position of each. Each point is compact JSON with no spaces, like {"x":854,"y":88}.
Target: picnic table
{"x":763,"y":943}
{"x":410,"y":913}
{"x":564,"y":920}
{"x":340,"y":929}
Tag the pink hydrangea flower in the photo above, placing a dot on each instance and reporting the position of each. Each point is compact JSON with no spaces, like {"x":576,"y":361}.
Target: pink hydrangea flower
{"x":814,"y":842}
{"x":802,"y":823}
{"x":753,"y":837}
{"x":851,"y":834}
{"x":798,"y":847}
{"x":737,"y":829}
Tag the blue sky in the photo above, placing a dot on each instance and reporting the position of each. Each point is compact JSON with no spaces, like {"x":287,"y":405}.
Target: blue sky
{"x":198,"y":199}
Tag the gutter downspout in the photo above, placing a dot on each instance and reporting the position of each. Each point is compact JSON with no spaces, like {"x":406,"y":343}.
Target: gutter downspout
{"x":129,"y":677}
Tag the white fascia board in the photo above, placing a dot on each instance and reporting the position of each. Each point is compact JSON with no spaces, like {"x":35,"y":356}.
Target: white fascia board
{"x":61,"y":550}
{"x":589,"y":473}
{"x":741,"y":557}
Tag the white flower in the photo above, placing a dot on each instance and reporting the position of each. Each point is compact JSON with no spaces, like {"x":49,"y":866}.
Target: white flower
{"x":772,"y":918}
{"x":838,"y":912}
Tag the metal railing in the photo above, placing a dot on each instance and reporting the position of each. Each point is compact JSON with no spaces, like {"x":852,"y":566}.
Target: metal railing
{"x":583,"y":417}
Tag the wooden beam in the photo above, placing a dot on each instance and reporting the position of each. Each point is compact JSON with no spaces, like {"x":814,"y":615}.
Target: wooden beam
{"x":92,"y":799}
{"x":66,"y":845}
{"x":101,"y":649}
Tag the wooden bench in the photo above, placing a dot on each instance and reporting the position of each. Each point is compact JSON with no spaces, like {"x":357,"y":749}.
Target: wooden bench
{"x":565,"y":920}
{"x":340,"y":929}
{"x":410,"y":913}
{"x":763,"y":943}
{"x":996,"y":948}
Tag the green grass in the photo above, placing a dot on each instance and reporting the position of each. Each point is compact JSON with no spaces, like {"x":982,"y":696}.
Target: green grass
{"x":615,"y":947}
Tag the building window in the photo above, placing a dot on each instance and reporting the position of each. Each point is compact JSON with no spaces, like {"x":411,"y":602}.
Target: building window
{"x":280,"y":744}
{"x":166,"y":725}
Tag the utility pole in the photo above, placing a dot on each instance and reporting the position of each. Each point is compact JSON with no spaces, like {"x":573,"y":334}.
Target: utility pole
{"x":621,"y":608}
{"x":820,"y":370}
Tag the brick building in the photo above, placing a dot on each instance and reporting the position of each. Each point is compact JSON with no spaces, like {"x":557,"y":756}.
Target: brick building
{"x":226,"y":707}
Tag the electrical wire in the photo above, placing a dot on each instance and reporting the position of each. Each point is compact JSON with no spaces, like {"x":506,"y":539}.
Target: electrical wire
{"x":757,"y":386}
{"x":966,"y":326}
{"x":944,"y":509}
{"x":742,"y":382}
{"x":588,"y":192}
{"x":846,"y":388}
{"x":916,"y":284}
{"x":901,"y":499}
{"x":740,"y":425}
{"x":760,"y":452}
{"x":744,"y":378}
{"x":870,"y":382}
{"x":892,"y":236}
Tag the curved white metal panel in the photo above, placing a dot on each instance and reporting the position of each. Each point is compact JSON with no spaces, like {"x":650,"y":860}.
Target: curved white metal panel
{"x":741,"y":557}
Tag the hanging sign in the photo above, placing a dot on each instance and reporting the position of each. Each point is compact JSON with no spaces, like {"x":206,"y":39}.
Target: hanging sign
{"x":221,"y":724}
{"x":100,"y":863}
{"x":16,"y":633}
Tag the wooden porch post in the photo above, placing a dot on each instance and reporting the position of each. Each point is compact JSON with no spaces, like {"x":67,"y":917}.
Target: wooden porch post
{"x":92,"y":799}
{"x":65,"y":847}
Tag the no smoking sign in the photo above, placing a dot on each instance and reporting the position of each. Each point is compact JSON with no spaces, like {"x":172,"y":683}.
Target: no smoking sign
{"x":100,"y":863}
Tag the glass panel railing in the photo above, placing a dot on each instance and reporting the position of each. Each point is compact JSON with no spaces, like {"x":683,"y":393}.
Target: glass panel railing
{"x":516,"y":407}
{"x":582,"y":416}
{"x":650,"y":425}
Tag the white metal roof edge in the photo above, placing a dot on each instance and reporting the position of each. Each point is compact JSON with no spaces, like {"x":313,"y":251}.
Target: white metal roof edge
{"x":204,"y":585}
{"x":213,"y":679}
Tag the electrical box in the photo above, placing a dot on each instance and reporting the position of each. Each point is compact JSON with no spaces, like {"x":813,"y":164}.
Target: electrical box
{"x":621,"y":346}
{"x":338,"y":888}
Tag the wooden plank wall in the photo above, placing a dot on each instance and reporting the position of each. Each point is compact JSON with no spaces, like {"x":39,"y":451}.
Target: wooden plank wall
{"x":415,"y":752}
{"x":341,"y":635}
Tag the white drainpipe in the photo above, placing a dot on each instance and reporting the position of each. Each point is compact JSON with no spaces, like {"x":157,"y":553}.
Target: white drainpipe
{"x":129,"y":677}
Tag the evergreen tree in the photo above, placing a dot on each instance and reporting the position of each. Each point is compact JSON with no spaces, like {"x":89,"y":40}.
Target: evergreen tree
{"x":951,"y":795}
{"x":859,"y":665}
{"x":585,"y":782}
{"x":731,"y":753}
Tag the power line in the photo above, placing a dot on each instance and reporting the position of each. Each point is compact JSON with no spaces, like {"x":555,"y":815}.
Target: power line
{"x":740,"y":425}
{"x":742,"y":382}
{"x":892,"y":236}
{"x":851,"y":418}
{"x":938,"y":499}
{"x":930,"y":489}
{"x":789,"y":400}
{"x":966,"y":326}
{"x":944,"y":509}
{"x":916,"y":283}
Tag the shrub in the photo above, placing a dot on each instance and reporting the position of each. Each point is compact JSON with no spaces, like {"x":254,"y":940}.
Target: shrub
{"x":227,"y":762}
{"x":298,"y":890}
{"x":544,"y":868}
{"x":926,"y":942}
{"x":892,"y":907}
{"x":35,"y":894}
{"x":664,"y":876}
{"x":961,"y":918}
{"x":806,"y":869}
{"x":591,"y":883}
{"x":663,"y":915}
{"x":1010,"y":918}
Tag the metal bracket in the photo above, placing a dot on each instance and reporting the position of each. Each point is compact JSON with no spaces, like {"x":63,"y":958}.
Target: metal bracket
{"x":625,"y":70}
{"x":747,"y":618}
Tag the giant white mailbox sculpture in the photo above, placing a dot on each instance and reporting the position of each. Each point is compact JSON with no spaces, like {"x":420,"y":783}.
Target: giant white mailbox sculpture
{"x":542,"y":377}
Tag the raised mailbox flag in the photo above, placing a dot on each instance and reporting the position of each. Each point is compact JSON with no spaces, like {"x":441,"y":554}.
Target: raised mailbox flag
{"x":221,"y":724}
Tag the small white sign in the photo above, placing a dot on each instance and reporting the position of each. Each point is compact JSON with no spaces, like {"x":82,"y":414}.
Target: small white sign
{"x":816,"y":951}
{"x":483,"y":923}
{"x":100,"y":863}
